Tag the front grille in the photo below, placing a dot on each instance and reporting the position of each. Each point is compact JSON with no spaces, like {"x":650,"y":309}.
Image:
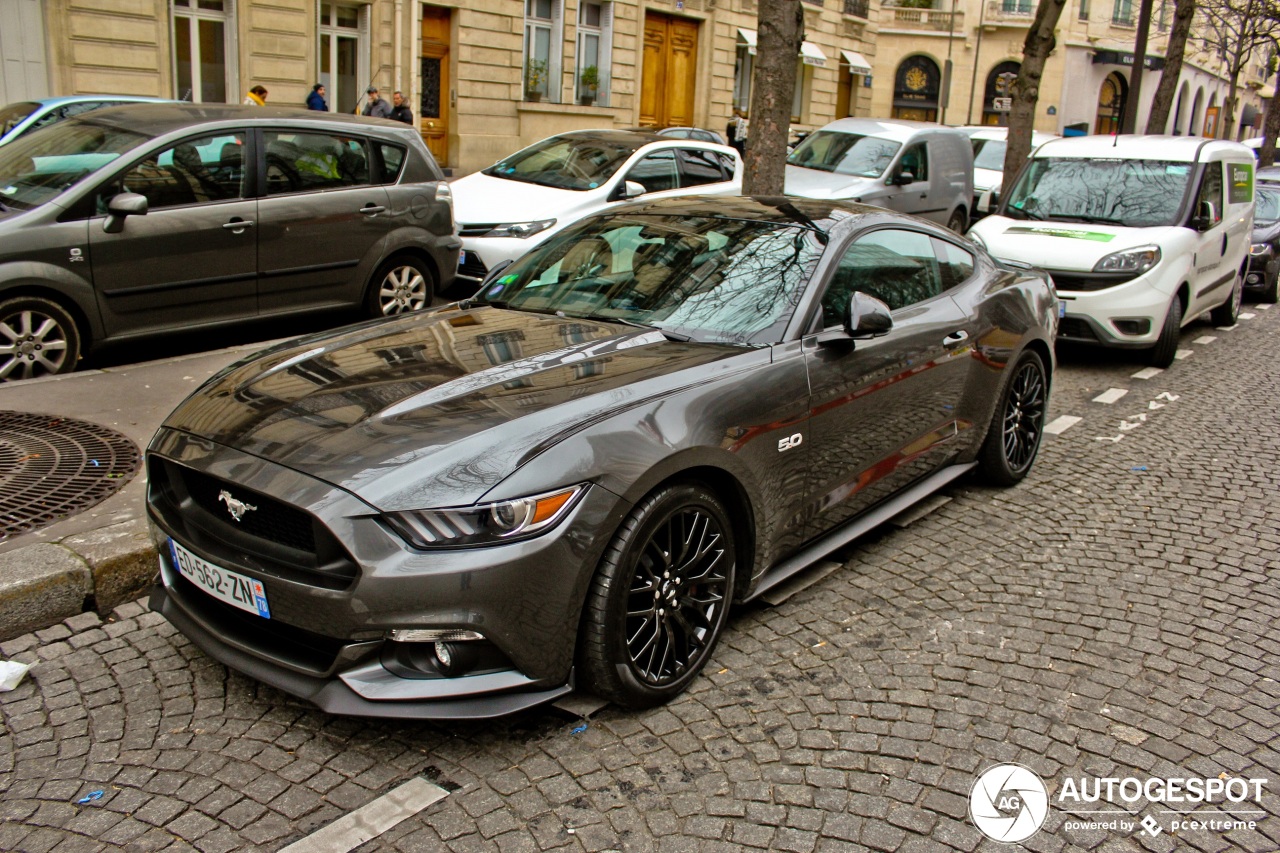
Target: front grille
{"x":473,"y":267}
{"x":1075,"y":329}
{"x":472,"y":229}
{"x":269,"y":519}
{"x":1086,"y":282}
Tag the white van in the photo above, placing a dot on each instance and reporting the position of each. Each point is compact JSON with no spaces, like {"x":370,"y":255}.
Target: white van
{"x":908,"y":166}
{"x":989,"y":147}
{"x":1140,"y":233}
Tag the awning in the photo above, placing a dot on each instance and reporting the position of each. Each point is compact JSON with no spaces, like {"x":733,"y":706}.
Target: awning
{"x":857,"y":62}
{"x":748,"y":36}
{"x":810,"y":53}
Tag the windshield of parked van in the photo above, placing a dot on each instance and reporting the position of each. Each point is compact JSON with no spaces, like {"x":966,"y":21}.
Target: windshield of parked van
{"x":14,"y":114}
{"x":1268,"y":205}
{"x":844,"y":153}
{"x":702,"y":278}
{"x":1131,"y":193}
{"x":37,"y":167}
{"x":565,"y":162}
{"x":989,"y":153}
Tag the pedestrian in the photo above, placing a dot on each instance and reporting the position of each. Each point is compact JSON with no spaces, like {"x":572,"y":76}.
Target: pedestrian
{"x":736,"y":130}
{"x":256,"y":97}
{"x":376,"y":108}
{"x":401,"y":111}
{"x":316,"y":101}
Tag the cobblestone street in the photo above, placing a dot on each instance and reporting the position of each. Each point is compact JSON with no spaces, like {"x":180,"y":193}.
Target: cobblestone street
{"x":1115,"y":615}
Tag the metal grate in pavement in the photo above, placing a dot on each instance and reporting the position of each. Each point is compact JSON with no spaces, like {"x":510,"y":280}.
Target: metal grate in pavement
{"x":52,"y":467}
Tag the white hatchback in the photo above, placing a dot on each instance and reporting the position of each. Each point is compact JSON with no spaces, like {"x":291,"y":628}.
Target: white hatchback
{"x":505,"y":210}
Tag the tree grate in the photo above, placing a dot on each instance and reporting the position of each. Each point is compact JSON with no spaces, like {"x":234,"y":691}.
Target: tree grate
{"x":53,"y":467}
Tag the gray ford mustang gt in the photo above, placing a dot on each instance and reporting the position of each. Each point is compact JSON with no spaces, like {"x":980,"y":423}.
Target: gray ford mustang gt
{"x":566,"y":480}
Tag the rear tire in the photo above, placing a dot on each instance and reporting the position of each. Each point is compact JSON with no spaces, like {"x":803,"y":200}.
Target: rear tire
{"x":1166,"y":347}
{"x":38,"y":337}
{"x":958,"y":221}
{"x":1013,"y":439}
{"x":1226,"y":313}
{"x":401,"y":285}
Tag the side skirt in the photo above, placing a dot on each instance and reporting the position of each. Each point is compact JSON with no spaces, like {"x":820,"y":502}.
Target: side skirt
{"x":855,"y":527}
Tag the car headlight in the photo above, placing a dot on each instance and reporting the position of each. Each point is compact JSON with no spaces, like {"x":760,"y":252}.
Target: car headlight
{"x":487,"y":524}
{"x":521,"y":229}
{"x":1137,"y":260}
{"x":1259,"y":248}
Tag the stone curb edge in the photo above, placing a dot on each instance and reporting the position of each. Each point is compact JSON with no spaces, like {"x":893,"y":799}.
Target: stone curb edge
{"x":43,"y":584}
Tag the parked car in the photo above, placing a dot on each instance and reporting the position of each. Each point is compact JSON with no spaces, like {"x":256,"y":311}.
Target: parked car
{"x":989,"y":147}
{"x":24,"y":117}
{"x":568,"y":480}
{"x":1263,"y":275}
{"x":152,"y":218}
{"x":701,"y":134}
{"x":520,"y":201}
{"x":911,"y":167}
{"x":1141,"y":234}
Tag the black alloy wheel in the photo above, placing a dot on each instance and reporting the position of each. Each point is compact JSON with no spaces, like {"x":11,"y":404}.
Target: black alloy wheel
{"x":1013,"y":438}
{"x":660,"y":599}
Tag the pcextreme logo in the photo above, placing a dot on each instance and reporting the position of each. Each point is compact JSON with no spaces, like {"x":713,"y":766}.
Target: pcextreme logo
{"x":1008,"y":803}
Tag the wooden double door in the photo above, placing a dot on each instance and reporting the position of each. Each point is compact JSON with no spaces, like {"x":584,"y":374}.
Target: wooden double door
{"x":433,"y":110}
{"x":669,"y":72}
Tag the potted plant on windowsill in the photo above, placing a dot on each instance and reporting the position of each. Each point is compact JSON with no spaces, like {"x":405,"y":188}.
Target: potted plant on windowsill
{"x":535,"y":77}
{"x":588,"y":81}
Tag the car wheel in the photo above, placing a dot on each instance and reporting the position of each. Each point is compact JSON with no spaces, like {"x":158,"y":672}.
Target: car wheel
{"x":958,"y":221}
{"x":1017,"y":425}
{"x":399,"y":286}
{"x":1226,"y":313}
{"x":37,"y":338}
{"x":1161,"y":355}
{"x":1271,"y":292}
{"x":660,"y":598}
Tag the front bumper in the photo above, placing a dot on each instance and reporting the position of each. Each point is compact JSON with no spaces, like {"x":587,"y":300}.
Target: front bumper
{"x":1262,"y":268}
{"x":485,"y":253}
{"x":1126,"y":315}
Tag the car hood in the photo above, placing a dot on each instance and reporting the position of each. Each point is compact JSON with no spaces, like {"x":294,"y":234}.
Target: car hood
{"x":815,"y":183}
{"x":479,"y":198}
{"x":986,"y":179}
{"x":1075,"y":246}
{"x":434,"y":409}
{"x":1266,"y":232}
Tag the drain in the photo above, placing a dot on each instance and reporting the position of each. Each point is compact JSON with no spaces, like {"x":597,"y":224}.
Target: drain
{"x":53,"y":467}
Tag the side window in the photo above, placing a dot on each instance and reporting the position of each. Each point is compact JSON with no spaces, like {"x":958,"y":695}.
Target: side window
{"x":657,"y":172}
{"x":699,"y":167}
{"x":916,"y":161}
{"x":392,"y":162}
{"x":954,"y":264}
{"x":897,"y":267}
{"x":195,"y":171}
{"x":726,"y":163}
{"x":305,"y":162}
{"x":1211,"y":191}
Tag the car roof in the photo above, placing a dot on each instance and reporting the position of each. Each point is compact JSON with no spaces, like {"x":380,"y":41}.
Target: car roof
{"x":80,"y":99}
{"x":162,"y":118}
{"x":1188,"y":149}
{"x":893,"y":129}
{"x":781,"y":210}
{"x":988,"y":132}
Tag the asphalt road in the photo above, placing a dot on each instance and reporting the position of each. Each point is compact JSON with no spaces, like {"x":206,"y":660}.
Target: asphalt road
{"x":1113,"y":616}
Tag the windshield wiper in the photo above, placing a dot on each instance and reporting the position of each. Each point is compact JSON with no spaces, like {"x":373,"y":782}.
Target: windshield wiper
{"x":1085,"y":217}
{"x":1029,"y":214}
{"x":604,"y":318}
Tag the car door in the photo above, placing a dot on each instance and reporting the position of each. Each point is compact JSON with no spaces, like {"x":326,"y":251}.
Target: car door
{"x":192,"y":258}
{"x":914,"y":196}
{"x":883,"y":410}
{"x":1212,"y":275}
{"x":321,"y":220}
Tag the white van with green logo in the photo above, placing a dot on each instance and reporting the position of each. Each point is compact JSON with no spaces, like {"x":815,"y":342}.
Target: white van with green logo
{"x":1141,"y":234}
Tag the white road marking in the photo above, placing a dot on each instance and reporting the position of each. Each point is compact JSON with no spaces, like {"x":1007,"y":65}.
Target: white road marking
{"x":1204,"y":339}
{"x":1263,"y":307}
{"x":1148,"y":373}
{"x":1061,"y":424}
{"x":1226,"y":328}
{"x":1110,"y":395}
{"x":1184,"y":353}
{"x":1246,"y":316}
{"x":371,"y":820}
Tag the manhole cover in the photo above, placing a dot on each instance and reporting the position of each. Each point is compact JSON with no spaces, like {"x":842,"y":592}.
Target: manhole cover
{"x":54,"y":467}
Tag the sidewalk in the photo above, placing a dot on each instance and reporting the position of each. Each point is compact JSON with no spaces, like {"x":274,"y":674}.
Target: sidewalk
{"x":102,"y":557}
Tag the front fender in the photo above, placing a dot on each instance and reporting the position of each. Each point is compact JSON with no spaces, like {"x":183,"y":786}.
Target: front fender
{"x":65,"y":285}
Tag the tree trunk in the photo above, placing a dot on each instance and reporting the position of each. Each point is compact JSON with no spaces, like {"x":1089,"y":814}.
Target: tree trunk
{"x":1026,"y":88}
{"x":1183,"y":14}
{"x":1270,"y":130}
{"x":781,"y":31}
{"x":1226,"y":131}
{"x":1133,"y":103}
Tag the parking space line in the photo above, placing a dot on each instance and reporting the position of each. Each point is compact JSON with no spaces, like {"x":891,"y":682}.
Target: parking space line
{"x":1061,"y":424}
{"x":1230,"y":328}
{"x":1148,"y":373}
{"x":1263,"y":307}
{"x":371,"y":820}
{"x":1184,"y":353}
{"x":1110,"y":395}
{"x":1245,"y":316}
{"x":1204,"y":339}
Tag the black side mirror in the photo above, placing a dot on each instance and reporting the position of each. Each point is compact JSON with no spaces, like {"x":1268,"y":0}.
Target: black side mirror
{"x":901,"y":179}
{"x":1206,"y":216}
{"x":120,"y":206}
{"x":867,"y":317}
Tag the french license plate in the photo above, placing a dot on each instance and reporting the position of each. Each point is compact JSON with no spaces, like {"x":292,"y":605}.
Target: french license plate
{"x":462,"y":257}
{"x":223,"y":584}
{"x":1062,"y":309}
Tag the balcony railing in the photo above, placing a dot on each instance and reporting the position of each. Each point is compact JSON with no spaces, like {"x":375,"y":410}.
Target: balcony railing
{"x":1010,"y":11}
{"x":925,"y":19}
{"x":858,"y":8}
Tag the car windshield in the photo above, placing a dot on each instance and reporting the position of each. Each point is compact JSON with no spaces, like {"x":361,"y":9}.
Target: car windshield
{"x":1268,"y":205}
{"x":708,"y":279}
{"x":565,"y":162}
{"x":1131,"y":193}
{"x":40,"y":166}
{"x":13,"y":115}
{"x":989,"y":153}
{"x":844,"y":153}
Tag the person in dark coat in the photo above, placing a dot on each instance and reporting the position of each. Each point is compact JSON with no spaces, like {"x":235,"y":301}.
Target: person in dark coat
{"x":376,"y":108}
{"x":400,"y":111}
{"x":316,"y":101}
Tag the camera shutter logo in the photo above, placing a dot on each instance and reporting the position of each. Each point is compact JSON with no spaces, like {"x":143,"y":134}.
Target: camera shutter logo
{"x":1008,"y":803}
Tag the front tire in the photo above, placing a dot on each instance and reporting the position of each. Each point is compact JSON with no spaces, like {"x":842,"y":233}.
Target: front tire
{"x":1013,"y":439}
{"x":38,"y":337}
{"x":958,"y":221}
{"x":1227,"y":313}
{"x":400,"y":285}
{"x":660,"y":597}
{"x":1162,"y":354}
{"x":1271,"y":292}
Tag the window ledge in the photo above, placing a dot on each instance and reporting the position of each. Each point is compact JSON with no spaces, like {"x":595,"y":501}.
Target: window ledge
{"x":563,"y":109}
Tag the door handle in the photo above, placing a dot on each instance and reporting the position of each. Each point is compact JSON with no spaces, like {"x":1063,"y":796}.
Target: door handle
{"x":372,"y":209}
{"x":955,"y":338}
{"x":924,"y":195}
{"x":237,"y":226}
{"x":1224,"y":244}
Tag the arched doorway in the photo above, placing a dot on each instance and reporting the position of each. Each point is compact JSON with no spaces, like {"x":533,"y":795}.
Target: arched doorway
{"x":915,"y":89}
{"x":1180,"y":111}
{"x":999,"y":85}
{"x":1111,"y":101}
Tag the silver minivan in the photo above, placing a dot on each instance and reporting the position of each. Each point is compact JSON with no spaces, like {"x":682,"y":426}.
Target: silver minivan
{"x":908,"y":166}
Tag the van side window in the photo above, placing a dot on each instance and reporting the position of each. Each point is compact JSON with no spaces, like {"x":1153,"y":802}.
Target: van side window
{"x":916,"y":161}
{"x":1211,"y":191}
{"x":897,"y":267}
